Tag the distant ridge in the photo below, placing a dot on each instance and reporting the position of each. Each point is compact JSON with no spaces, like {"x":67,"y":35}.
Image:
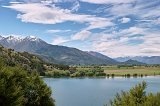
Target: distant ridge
{"x":143,"y":59}
{"x":132,"y":62}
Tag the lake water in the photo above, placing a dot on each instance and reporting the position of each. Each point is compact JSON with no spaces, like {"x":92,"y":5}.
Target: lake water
{"x":94,"y":91}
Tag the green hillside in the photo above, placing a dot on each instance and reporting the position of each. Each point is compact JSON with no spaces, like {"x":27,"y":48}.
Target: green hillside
{"x":28,"y":61}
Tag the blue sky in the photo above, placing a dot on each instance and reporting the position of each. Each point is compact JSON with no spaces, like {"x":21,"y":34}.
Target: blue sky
{"x":112,"y":27}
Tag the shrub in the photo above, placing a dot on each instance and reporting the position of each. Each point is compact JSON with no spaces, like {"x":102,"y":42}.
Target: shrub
{"x":136,"y":96}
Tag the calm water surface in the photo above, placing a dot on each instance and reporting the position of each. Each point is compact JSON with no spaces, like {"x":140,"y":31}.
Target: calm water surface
{"x":94,"y":91}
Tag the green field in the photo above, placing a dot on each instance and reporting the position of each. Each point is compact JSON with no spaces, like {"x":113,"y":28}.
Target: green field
{"x":121,"y":71}
{"x":136,"y":70}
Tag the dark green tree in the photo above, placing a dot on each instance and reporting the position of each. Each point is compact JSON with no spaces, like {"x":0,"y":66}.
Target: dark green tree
{"x":19,"y":88}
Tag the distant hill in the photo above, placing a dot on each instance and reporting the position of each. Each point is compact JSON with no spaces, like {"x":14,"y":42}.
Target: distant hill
{"x":52,"y":53}
{"x":132,"y":62}
{"x":143,"y":59}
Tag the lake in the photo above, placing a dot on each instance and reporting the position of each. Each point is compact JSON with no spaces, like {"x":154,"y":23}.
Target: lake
{"x":94,"y":91}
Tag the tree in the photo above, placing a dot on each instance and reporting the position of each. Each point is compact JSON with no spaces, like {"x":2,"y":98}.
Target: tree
{"x":19,"y":88}
{"x":136,"y":96}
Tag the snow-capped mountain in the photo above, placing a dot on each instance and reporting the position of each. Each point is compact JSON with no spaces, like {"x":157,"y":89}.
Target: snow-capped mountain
{"x":15,"y":39}
{"x":32,"y":38}
{"x":66,"y":55}
{"x":52,"y":53}
{"x":18,"y":42}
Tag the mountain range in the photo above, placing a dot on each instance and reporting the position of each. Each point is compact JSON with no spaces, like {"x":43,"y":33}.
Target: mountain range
{"x":53,"y":53}
{"x":62,"y":54}
{"x":143,"y":59}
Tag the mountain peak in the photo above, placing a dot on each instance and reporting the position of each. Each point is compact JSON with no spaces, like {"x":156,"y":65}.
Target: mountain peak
{"x":32,"y":38}
{"x":12,"y":38}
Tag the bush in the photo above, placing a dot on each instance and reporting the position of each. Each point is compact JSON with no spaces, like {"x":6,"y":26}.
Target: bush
{"x":135,"y":75}
{"x":57,"y":73}
{"x":136,"y":97}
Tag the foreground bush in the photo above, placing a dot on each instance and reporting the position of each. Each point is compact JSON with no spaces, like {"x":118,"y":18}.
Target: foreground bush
{"x":19,"y":88}
{"x":136,"y":97}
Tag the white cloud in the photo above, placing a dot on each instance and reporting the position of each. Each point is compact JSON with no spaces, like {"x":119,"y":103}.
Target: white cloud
{"x":131,"y":31}
{"x":125,"y":20}
{"x":122,"y":10}
{"x":38,"y":1}
{"x":117,"y":45}
{"x":151,"y":13}
{"x":141,"y":10}
{"x":40,"y":13}
{"x":107,"y":1}
{"x":150,"y":50}
{"x":59,"y":40}
{"x":82,"y":35}
{"x":15,"y":2}
{"x":57,"y":31}
{"x":99,"y":24}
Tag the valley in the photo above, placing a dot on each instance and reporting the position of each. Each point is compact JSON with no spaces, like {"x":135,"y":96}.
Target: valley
{"x":79,"y":52}
{"x":48,"y":60}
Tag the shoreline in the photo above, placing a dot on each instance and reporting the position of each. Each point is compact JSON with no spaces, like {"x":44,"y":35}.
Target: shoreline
{"x":101,"y":77}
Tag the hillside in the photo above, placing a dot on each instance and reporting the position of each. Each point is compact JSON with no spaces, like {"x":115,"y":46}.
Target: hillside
{"x":27,"y":61}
